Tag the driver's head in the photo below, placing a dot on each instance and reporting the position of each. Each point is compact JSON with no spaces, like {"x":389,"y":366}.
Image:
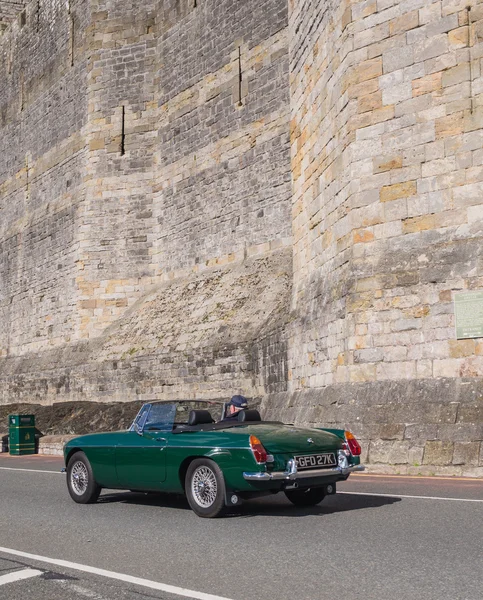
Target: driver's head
{"x":237,"y":403}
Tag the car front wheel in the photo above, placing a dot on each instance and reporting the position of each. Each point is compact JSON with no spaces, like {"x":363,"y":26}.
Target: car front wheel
{"x":81,"y":484}
{"x":306,"y":496}
{"x":205,"y":488}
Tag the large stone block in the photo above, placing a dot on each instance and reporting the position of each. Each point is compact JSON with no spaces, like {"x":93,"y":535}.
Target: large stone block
{"x":438,"y":453}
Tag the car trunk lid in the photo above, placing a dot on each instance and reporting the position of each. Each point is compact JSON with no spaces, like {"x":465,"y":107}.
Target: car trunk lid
{"x":281,"y":439}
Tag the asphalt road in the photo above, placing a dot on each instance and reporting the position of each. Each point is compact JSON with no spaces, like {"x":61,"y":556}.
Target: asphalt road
{"x":381,"y":538}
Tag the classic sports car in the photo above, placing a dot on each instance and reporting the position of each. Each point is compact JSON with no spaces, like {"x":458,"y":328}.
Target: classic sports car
{"x":178,"y":447}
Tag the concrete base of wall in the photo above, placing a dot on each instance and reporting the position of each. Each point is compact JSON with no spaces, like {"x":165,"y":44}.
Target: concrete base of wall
{"x":424,"y":426}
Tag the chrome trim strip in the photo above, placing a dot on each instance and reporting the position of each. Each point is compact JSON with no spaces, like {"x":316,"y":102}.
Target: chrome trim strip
{"x":156,"y":445}
{"x":288,"y":475}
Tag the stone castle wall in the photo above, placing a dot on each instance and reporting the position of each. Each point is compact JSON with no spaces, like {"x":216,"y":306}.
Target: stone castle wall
{"x":147,"y":214}
{"x":278,"y":199}
{"x":387,"y":106}
{"x":43,"y":109}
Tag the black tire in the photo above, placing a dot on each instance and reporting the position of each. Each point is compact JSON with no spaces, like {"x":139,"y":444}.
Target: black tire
{"x":81,"y":484}
{"x":205,"y":488}
{"x":306,"y":496}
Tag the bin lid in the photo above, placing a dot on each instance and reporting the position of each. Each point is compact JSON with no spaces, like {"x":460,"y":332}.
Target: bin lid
{"x":21,"y":420}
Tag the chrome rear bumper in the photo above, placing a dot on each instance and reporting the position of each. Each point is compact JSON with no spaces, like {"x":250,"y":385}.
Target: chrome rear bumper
{"x":293,"y":474}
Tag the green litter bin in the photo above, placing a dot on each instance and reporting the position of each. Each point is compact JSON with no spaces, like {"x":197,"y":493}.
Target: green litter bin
{"x":21,"y":430}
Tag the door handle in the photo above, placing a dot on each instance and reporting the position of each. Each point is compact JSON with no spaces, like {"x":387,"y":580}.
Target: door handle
{"x":161,"y":439}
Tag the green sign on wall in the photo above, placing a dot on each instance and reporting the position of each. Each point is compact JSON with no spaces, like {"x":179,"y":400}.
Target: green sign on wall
{"x":469,"y":315}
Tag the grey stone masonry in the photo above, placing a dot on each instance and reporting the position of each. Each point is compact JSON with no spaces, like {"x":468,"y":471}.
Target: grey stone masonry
{"x":274,"y":198}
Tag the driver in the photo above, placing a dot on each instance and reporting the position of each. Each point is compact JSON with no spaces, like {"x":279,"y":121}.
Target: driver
{"x":236,"y":404}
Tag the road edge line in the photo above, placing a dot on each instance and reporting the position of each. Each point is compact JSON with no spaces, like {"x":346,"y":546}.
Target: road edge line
{"x":30,"y":470}
{"x":408,"y":496}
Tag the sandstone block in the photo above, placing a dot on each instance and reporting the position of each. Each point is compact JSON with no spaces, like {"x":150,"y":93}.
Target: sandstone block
{"x":363,"y":236}
{"x":458,"y":38}
{"x":397,"y":58}
{"x":468,"y":195}
{"x":368,"y":355}
{"x":473,"y":120}
{"x":370,"y":102}
{"x":399,"y":190}
{"x":461,"y":348}
{"x":456,"y":75}
{"x":395,"y":353}
{"x":427,"y":84}
{"x":363,"y":372}
{"x":379,"y":451}
{"x":438,"y":167}
{"x":438,"y":453}
{"x":453,"y":6}
{"x":430,"y":13}
{"x":419,"y":105}
{"x":387,"y":163}
{"x":397,"y":209}
{"x":431,"y":48}
{"x":415,"y":455}
{"x":397,"y":93}
{"x":368,"y":69}
{"x":451,"y":125}
{"x":396,"y":370}
{"x":370,"y":36}
{"x":440,"y":63}
{"x":450,"y":367}
{"x":405,"y":22}
{"x":466,"y":453}
{"x":420,"y":433}
{"x":389,"y":452}
{"x":96,"y":144}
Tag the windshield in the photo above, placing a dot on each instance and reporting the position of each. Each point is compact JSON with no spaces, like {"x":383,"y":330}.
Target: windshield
{"x":164,"y":416}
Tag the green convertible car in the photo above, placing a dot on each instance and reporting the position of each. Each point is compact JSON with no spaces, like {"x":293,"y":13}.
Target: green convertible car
{"x":179,"y":447}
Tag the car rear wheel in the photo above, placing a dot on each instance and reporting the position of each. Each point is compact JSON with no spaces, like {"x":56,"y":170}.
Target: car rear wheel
{"x":81,"y":484}
{"x":205,"y":488}
{"x":306,"y":496}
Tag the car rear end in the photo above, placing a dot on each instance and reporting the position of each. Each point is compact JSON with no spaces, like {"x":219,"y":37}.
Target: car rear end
{"x":287,"y":457}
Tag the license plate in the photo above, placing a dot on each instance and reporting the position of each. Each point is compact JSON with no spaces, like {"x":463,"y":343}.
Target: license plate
{"x":315,"y":461}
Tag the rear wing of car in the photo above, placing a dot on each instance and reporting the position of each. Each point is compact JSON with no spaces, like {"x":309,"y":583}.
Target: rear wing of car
{"x":351,"y":445}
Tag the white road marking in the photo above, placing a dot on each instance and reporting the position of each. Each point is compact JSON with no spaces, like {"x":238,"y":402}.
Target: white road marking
{"x":30,"y":470}
{"x":147,"y":583}
{"x":406,"y":496}
{"x":19,"y":575}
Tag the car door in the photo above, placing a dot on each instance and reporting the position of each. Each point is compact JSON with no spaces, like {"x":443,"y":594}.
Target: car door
{"x":141,"y":457}
{"x":141,"y":460}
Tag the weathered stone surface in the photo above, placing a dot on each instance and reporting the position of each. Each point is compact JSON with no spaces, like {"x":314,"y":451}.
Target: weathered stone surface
{"x":268,"y":197}
{"x":438,"y":453}
{"x":466,"y":453}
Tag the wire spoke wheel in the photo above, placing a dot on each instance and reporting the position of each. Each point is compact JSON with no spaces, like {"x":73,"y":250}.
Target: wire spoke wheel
{"x":79,"y":478}
{"x":204,"y":486}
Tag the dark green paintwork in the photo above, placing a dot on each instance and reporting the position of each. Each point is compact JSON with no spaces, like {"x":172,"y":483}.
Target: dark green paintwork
{"x":157,"y":461}
{"x":21,"y":434}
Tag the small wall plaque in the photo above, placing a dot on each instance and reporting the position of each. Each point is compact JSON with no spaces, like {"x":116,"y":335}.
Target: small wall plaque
{"x":468,"y":307}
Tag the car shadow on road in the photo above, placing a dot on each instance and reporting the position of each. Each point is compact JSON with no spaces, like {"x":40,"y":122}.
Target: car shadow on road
{"x":280,"y":506}
{"x":274,"y":506}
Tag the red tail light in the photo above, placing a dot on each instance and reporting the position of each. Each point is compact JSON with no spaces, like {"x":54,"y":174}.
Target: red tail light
{"x":258,"y":450}
{"x":353,"y":444}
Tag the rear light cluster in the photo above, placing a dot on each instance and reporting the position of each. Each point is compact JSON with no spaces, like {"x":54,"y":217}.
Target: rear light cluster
{"x":352,"y":443}
{"x":258,"y":450}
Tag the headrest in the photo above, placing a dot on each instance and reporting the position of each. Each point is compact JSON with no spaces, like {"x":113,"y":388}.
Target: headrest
{"x":199,"y":417}
{"x":249,"y":415}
